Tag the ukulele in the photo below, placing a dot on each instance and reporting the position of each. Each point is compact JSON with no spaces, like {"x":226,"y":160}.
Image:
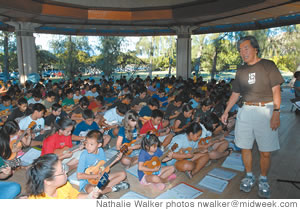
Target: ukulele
{"x":189,"y":150}
{"x":9,"y":163}
{"x":145,"y":119}
{"x":66,"y":149}
{"x":208,"y":139}
{"x":77,"y":117}
{"x":16,"y":143}
{"x":130,"y":144}
{"x":4,"y":115}
{"x":100,"y":184}
{"x":159,"y":131}
{"x":156,"y":161}
{"x":102,"y":166}
{"x":70,"y":108}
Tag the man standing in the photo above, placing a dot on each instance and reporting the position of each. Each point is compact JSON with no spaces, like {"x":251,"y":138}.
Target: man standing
{"x":258,"y":82}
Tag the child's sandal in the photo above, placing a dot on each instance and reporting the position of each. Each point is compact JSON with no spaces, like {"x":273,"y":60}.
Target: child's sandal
{"x":189,"y":174}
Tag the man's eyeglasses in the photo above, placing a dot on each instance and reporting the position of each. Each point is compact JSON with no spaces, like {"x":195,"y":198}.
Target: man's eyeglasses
{"x":63,"y":171}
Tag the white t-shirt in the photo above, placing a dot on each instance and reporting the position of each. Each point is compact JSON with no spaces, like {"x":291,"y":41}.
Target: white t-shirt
{"x":77,"y":97}
{"x":24,"y":123}
{"x":32,"y":101}
{"x":112,"y":115}
{"x":205,"y":132}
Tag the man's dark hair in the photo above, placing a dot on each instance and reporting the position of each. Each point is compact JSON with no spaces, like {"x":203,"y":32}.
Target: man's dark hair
{"x":51,"y":94}
{"x":55,"y":106}
{"x":153,"y":102}
{"x":96,"y":135}
{"x":253,"y":42}
{"x":122,"y":108}
{"x":142,"y":90}
{"x":69,"y":91}
{"x":38,"y":107}
{"x":87,"y":114}
{"x":6,"y":98}
{"x":178,"y":98}
{"x":22,"y":101}
{"x":84,"y":101}
{"x":37,"y":94}
{"x":100,"y":99}
{"x":128,"y":96}
{"x":157,"y":113}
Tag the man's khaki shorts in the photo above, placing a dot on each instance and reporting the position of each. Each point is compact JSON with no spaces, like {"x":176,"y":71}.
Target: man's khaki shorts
{"x":253,"y":123}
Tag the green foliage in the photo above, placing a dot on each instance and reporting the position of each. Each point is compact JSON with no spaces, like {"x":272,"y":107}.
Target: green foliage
{"x":110,"y":51}
{"x":216,"y":51}
{"x":45,"y":59}
{"x":11,"y":56}
{"x":72,"y":54}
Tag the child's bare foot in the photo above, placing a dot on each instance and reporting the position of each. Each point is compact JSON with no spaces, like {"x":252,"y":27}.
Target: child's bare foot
{"x":159,"y":186}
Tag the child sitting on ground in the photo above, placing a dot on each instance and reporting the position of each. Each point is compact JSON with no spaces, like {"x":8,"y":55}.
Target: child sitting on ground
{"x":90,"y":157}
{"x":159,"y":175}
{"x":185,"y":160}
{"x":155,"y":126}
{"x":127,"y":134}
{"x":87,"y":125}
{"x":60,"y":142}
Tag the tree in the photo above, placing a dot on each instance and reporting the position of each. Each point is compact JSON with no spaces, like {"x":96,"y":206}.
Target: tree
{"x":73,"y":54}
{"x":110,"y":51}
{"x":45,"y":59}
{"x":8,"y":60}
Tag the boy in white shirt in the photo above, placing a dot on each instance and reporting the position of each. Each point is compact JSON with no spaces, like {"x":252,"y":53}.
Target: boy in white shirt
{"x":36,"y":117}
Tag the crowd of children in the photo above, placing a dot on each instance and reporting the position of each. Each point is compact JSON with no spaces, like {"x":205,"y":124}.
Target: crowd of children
{"x":75,"y":121}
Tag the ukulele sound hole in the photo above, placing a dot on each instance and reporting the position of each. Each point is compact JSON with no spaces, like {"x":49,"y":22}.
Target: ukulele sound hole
{"x":154,"y":163}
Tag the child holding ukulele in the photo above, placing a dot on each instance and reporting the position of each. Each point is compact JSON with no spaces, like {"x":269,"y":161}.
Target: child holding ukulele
{"x":90,"y":158}
{"x":9,"y":190}
{"x":128,"y":134}
{"x":160,"y":175}
{"x":155,"y":126}
{"x":60,"y":143}
{"x":217,"y":146}
{"x":183,"y":119}
{"x":17,"y":142}
{"x":184,"y":160}
{"x":47,"y":179}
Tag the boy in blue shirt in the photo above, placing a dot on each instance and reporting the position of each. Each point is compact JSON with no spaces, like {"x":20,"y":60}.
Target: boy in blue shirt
{"x":5,"y":108}
{"x":6,"y":104}
{"x":163,"y":100}
{"x":87,"y":125}
{"x":146,"y":111}
{"x":195,"y":100}
{"x":90,"y":157}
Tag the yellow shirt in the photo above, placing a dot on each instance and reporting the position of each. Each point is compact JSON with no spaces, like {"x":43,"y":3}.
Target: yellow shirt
{"x":204,"y":88}
{"x":64,"y":192}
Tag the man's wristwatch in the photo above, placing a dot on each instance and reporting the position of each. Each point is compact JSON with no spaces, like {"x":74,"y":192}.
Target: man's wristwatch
{"x":276,"y":110}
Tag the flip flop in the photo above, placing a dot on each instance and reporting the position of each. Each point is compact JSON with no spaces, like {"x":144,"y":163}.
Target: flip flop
{"x":172,"y":177}
{"x":188,"y":174}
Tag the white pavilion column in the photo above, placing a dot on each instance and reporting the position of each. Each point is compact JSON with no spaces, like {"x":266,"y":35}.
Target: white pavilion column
{"x":26,"y":50}
{"x":183,"y":49}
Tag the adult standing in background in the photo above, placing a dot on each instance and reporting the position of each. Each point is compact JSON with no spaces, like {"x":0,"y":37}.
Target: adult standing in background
{"x":258,"y":82}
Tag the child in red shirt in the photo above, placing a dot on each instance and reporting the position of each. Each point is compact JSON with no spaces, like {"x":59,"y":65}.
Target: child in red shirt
{"x":155,"y":126}
{"x":61,"y":139}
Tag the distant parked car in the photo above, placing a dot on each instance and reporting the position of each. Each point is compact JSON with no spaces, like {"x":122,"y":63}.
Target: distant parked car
{"x":33,"y":77}
{"x":14,"y":75}
{"x":3,"y":77}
